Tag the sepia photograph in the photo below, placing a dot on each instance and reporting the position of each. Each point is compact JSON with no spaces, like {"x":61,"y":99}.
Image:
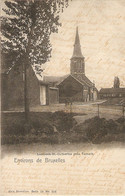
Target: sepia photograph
{"x":62,"y":97}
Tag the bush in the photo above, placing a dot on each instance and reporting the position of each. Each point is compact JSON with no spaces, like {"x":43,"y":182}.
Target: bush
{"x":63,"y":121}
{"x":17,"y":128}
{"x":120,"y":120}
{"x":46,"y":128}
{"x":99,"y":130}
{"x":60,"y":127}
{"x":93,"y":129}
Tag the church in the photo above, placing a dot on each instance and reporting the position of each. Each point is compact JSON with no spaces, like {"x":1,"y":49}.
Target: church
{"x":76,"y":87}
{"x":46,"y":90}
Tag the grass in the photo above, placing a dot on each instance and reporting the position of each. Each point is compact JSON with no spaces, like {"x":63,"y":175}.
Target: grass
{"x":59,"y":127}
{"x":44,"y":127}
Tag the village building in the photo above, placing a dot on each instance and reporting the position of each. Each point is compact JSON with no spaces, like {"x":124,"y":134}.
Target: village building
{"x":114,"y":92}
{"x":76,"y":87}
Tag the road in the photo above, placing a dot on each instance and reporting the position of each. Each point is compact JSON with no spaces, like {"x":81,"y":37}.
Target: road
{"x":88,"y":108}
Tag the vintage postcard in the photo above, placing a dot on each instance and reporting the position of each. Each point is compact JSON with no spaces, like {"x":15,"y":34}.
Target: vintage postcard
{"x":62,"y":97}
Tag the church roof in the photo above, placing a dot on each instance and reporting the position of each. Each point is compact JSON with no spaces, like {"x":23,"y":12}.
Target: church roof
{"x":77,"y":48}
{"x":83,"y":81}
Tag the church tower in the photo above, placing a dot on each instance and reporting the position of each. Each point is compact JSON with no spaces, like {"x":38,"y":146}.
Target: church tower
{"x":77,"y":64}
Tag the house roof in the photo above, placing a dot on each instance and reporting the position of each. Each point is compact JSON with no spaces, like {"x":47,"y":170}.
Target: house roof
{"x":112,"y":90}
{"x":52,"y":79}
{"x":42,"y":78}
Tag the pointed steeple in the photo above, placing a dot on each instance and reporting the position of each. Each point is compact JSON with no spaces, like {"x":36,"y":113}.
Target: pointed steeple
{"x":77,"y":48}
{"x":77,"y":64}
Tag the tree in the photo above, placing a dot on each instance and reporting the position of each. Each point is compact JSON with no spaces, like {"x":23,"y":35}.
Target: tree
{"x":26,"y":28}
{"x":116,"y":82}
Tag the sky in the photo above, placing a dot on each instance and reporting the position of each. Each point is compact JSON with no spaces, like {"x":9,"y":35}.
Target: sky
{"x":101,"y":25}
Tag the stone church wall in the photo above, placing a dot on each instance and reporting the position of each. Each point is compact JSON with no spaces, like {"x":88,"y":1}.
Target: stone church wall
{"x":70,"y":89}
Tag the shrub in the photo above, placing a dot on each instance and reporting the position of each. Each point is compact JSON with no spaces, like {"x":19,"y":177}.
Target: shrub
{"x":92,"y":129}
{"x":120,"y":120}
{"x":111,"y":126}
{"x":46,"y":128}
{"x":99,"y":130}
{"x":60,"y":127}
{"x":63,"y":121}
{"x":17,"y":128}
